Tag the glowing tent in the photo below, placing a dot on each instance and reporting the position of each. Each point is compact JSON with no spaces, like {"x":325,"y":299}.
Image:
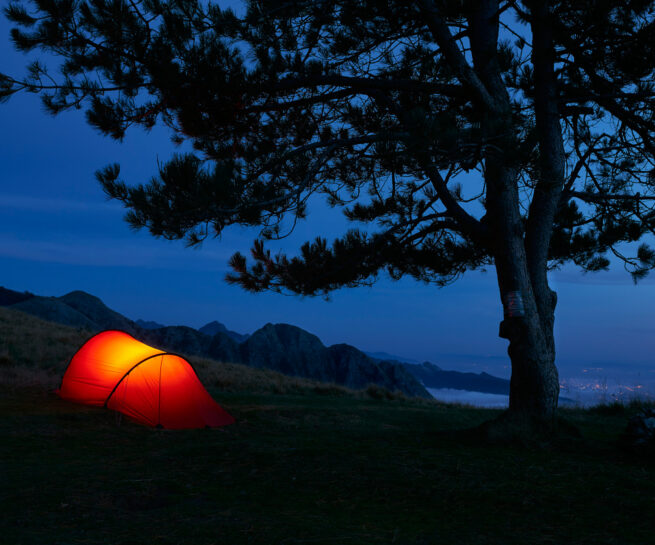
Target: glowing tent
{"x":156,"y":388}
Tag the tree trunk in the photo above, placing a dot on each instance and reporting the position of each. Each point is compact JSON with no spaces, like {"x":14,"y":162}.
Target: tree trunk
{"x":534,"y":385}
{"x":521,"y":256}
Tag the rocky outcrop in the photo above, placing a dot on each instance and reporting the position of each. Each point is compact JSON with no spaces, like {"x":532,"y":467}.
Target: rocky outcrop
{"x":148,"y":324}
{"x":178,"y":339}
{"x":403,"y":379}
{"x":356,"y":370}
{"x":217,"y":327}
{"x":293,"y":351}
{"x":224,"y":348}
{"x":289,"y":350}
{"x":186,"y":340}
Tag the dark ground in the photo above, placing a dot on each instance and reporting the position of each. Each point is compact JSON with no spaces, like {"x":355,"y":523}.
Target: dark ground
{"x":312,"y":469}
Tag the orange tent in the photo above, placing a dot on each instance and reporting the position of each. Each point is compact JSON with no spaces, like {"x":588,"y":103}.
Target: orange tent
{"x":156,"y":388}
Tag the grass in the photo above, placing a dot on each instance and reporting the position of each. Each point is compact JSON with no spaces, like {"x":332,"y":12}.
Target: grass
{"x":307,"y":466}
{"x":34,"y":352}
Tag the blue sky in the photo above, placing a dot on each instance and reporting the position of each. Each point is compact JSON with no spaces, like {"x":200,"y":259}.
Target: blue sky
{"x":58,"y":233}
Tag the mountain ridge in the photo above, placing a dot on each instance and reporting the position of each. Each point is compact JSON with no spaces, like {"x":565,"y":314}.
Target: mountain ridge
{"x":217,"y":327}
{"x":282,"y":347}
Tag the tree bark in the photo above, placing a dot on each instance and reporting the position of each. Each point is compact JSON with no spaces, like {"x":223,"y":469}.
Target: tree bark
{"x":534,"y":385}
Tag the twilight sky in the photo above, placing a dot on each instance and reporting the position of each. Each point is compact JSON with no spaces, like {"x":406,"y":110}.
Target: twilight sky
{"x":58,"y":233}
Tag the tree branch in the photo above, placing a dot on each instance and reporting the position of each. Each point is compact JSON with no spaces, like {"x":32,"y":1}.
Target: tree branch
{"x":332,"y":144}
{"x":603,"y":198}
{"x":552,"y":158}
{"x":445,"y":41}
{"x":469,"y":225}
{"x":399,"y":84}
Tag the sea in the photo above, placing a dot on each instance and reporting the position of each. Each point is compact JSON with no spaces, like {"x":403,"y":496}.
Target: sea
{"x":477,"y":399}
{"x":574,"y":392}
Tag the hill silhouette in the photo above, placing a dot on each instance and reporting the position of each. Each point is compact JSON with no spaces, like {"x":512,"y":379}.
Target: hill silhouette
{"x":283,"y":348}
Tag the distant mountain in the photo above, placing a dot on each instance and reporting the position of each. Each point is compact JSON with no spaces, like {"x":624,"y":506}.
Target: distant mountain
{"x":288,"y":349}
{"x":148,"y":324}
{"x":11,"y":297}
{"x":54,"y":310}
{"x":385,"y":356}
{"x":76,"y":309}
{"x":293,"y":351}
{"x":216,"y":327}
{"x":355,"y":368}
{"x":281,"y":347}
{"x":99,"y":313}
{"x":432,"y":376}
{"x":186,"y":340}
{"x":212,"y":328}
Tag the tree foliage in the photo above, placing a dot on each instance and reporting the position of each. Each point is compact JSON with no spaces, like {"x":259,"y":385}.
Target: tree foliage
{"x":381,"y":107}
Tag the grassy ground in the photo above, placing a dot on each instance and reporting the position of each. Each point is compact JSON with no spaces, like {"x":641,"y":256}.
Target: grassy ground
{"x":311,"y":469}
{"x":305,"y":463}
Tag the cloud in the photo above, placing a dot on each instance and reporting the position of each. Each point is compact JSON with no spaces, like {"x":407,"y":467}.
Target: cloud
{"x":36,"y":204}
{"x":104,"y":252}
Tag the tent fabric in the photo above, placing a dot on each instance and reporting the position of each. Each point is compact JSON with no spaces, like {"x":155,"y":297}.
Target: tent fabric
{"x":153,"y":387}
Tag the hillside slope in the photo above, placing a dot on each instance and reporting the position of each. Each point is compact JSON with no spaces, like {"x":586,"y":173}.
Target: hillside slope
{"x":281,"y":347}
{"x":52,"y":309}
{"x":35,"y":353}
{"x":27,"y":342}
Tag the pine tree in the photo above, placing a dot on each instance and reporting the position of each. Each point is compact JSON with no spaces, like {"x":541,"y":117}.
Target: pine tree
{"x":460,"y":134}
